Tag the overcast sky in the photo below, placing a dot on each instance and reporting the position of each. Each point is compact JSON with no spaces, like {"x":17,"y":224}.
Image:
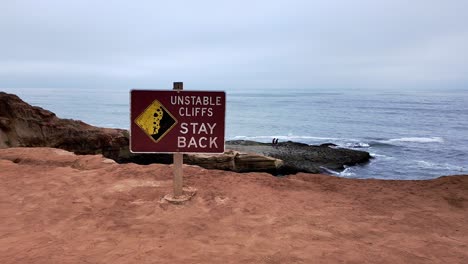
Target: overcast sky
{"x":321,"y":44}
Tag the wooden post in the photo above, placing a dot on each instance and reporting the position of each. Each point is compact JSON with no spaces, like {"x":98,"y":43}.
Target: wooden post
{"x":178,"y":174}
{"x":178,"y":159}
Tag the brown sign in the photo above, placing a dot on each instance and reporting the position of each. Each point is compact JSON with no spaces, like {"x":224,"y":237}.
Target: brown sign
{"x":177,"y":121}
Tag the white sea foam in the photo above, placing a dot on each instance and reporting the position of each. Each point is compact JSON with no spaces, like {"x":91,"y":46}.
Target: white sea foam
{"x":381,"y":156}
{"x":289,"y":137}
{"x":443,"y":166}
{"x":341,"y":142}
{"x":415,"y":140}
{"x":356,"y":145}
{"x":347,"y":173}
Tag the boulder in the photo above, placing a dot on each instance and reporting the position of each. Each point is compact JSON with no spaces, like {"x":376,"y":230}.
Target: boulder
{"x":235,"y":161}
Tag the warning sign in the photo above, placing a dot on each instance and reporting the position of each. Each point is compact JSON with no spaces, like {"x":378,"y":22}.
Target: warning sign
{"x":156,"y":121}
{"x":177,"y":121}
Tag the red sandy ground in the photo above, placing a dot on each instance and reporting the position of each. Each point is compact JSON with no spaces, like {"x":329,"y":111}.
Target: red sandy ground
{"x":56,"y":207}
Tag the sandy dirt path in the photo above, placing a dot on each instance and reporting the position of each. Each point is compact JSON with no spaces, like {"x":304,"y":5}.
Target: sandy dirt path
{"x":56,"y":207}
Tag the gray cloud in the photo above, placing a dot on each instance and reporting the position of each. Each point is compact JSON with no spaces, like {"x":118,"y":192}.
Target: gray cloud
{"x":239,"y":44}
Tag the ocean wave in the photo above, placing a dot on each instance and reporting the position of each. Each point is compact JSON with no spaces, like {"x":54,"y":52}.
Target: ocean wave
{"x":346,"y":173}
{"x":356,"y":145}
{"x":312,"y":140}
{"x":289,"y":137}
{"x":414,"y":140}
{"x":381,"y":156}
{"x":443,"y":166}
{"x":343,"y":142}
{"x":380,"y":144}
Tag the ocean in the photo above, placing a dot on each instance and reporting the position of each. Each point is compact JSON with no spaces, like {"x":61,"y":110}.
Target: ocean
{"x":411,"y":135}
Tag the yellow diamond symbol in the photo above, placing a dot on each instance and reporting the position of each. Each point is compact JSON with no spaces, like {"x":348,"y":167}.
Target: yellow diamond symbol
{"x":156,"y":121}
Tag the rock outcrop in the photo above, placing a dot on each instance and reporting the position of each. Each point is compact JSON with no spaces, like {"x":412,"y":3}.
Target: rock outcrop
{"x":23,"y":125}
{"x":298,"y":157}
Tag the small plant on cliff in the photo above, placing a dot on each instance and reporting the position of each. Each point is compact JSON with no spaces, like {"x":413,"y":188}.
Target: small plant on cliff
{"x":126,"y":134}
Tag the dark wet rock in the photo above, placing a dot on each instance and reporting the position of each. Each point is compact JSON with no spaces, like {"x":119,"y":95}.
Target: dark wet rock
{"x":328,"y":145}
{"x":299,"y":157}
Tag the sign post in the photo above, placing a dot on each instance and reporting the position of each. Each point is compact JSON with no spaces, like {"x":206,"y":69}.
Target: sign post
{"x":177,"y":121}
{"x":178,"y":159}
